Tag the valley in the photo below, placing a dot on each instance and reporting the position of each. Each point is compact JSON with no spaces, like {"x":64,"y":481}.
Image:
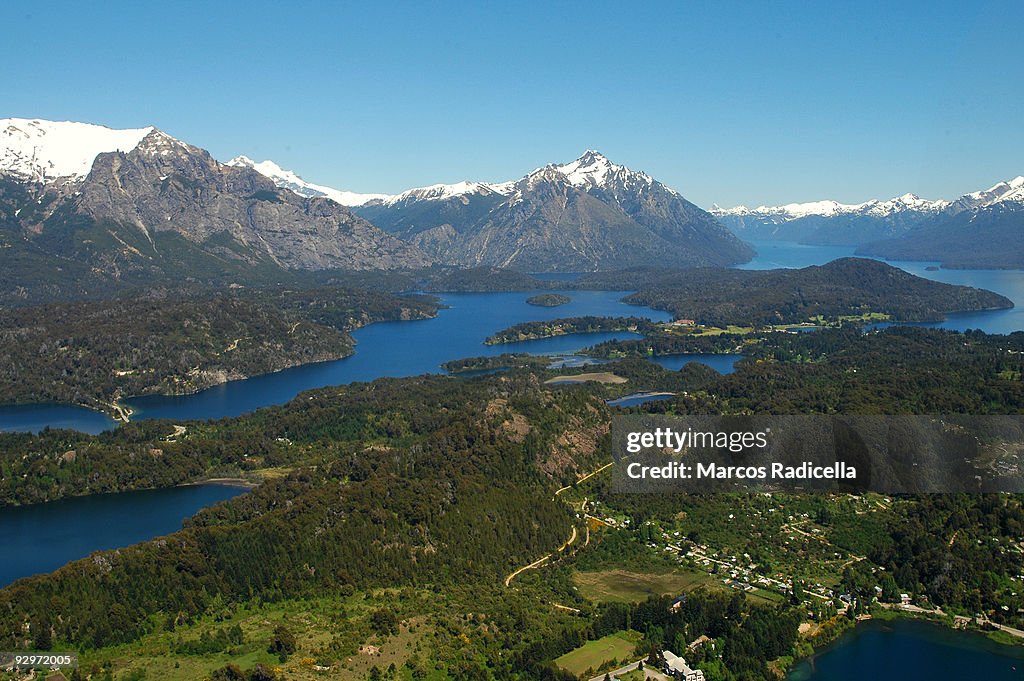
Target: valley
{"x":415,"y":393}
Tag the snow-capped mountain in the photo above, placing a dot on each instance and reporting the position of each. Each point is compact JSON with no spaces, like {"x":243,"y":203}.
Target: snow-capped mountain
{"x":154,"y":210}
{"x":587,"y":214}
{"x":43,"y":151}
{"x":831,"y":222}
{"x":912,"y":207}
{"x":289,"y":180}
{"x":982,"y":229}
{"x":444,"y":192}
{"x":829,"y":208}
{"x":1011,"y":191}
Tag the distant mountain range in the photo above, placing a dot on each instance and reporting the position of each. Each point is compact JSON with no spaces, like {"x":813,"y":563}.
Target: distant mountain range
{"x":979,"y":229}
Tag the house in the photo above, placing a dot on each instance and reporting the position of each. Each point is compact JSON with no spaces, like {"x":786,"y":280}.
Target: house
{"x":904,"y":599}
{"x":676,"y":667}
{"x":677,"y":603}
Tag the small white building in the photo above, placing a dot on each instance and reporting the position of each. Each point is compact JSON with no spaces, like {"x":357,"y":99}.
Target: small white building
{"x":676,"y":666}
{"x":904,"y":599}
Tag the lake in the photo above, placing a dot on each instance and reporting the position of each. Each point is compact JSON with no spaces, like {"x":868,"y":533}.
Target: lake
{"x":410,"y":348}
{"x":397,"y":349}
{"x":42,"y":537}
{"x":637,"y":399}
{"x":906,"y":650}
{"x":32,"y":418}
{"x":392,"y":349}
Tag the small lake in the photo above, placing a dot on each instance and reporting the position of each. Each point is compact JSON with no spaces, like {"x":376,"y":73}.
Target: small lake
{"x":640,"y":398}
{"x":906,"y":650}
{"x":723,"y":364}
{"x":42,"y":537}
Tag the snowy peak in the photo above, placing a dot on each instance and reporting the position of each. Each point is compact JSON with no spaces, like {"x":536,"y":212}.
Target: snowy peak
{"x":43,"y":151}
{"x":829,"y":208}
{"x":593,"y":170}
{"x":287,"y":179}
{"x":1003,"y":192}
{"x":159,"y":143}
{"x":441,"y":192}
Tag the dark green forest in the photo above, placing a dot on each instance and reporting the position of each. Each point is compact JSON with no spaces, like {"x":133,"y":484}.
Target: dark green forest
{"x":93,"y":353}
{"x":380,"y":492}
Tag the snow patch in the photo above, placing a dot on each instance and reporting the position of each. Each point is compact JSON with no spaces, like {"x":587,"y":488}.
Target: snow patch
{"x":43,"y":151}
{"x":286,"y":179}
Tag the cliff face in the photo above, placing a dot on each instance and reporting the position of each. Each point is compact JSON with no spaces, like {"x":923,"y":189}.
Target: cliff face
{"x":590,"y":214}
{"x":164,"y":185}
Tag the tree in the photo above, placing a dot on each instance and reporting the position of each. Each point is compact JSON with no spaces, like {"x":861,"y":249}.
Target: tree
{"x":262,"y":673}
{"x":384,"y":622}
{"x":797,"y":593}
{"x":283,"y":642}
{"x":229,"y":672}
{"x":890,"y":590}
{"x":43,"y":636}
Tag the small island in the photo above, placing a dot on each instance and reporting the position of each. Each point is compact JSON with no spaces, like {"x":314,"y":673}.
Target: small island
{"x":526,"y":331}
{"x":548,"y":300}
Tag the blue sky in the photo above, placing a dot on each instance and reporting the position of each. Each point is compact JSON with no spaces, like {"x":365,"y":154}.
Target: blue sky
{"x":727,"y":102}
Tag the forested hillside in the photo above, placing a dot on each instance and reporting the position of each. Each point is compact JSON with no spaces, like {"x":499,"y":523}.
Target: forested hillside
{"x":372,"y":490}
{"x":94,"y":353}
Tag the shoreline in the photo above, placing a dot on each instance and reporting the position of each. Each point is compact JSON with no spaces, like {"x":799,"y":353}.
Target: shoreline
{"x":224,"y":482}
{"x":897,"y":615}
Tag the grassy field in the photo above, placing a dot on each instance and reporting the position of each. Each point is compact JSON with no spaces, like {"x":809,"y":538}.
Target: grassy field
{"x":314,"y":624}
{"x":622,"y":586}
{"x":591,"y":655}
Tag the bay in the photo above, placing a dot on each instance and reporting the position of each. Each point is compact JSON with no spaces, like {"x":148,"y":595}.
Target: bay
{"x":32,"y":418}
{"x":42,"y":537}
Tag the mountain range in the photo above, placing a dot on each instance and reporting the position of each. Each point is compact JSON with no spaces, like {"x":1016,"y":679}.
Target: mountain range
{"x":86,"y":207}
{"x":100,"y":205}
{"x":980,"y":229}
{"x":589,"y":214}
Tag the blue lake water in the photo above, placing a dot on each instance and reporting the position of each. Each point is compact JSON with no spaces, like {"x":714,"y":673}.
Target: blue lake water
{"x":392,"y":349}
{"x":43,"y":537}
{"x":638,"y":399}
{"x":32,"y":418}
{"x":911,"y":651}
{"x":723,"y":364}
{"x":406,"y":349}
{"x":410,"y":348}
